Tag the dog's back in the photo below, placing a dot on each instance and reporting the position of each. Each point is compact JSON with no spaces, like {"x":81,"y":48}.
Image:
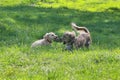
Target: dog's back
{"x":39,"y":43}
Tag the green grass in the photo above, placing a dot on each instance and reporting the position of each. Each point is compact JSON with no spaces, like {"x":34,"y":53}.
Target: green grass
{"x":21,"y":23}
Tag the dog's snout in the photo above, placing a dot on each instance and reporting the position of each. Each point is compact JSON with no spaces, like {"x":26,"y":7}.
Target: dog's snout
{"x":56,"y":37}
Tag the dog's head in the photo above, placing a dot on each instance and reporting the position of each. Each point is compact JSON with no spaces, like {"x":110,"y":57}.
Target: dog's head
{"x":68,"y":37}
{"x":50,"y":36}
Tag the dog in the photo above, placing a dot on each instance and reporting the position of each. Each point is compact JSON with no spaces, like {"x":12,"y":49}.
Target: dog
{"x":47,"y":40}
{"x":68,"y":39}
{"x":78,"y":38}
{"x":83,"y":38}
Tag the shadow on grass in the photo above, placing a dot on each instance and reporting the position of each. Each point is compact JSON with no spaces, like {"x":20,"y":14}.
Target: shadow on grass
{"x":24,"y":24}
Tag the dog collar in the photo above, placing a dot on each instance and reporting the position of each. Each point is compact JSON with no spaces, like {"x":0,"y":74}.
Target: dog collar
{"x":49,"y":41}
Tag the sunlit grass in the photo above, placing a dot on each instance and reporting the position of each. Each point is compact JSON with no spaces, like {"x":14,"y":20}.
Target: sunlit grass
{"x":18,"y":63}
{"x":23,"y":21}
{"x":84,"y":5}
{"x":10,"y":2}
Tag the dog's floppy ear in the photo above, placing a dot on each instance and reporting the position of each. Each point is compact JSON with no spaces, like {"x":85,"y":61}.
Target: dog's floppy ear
{"x":46,"y":36}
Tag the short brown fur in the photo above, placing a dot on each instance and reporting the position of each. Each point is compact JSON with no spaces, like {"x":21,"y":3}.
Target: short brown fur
{"x":82,"y":39}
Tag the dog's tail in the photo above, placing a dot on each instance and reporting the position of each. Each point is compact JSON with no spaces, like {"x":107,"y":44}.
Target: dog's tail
{"x":77,"y":28}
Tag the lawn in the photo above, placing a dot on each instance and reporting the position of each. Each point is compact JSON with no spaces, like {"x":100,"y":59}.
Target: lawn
{"x":24,"y":21}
